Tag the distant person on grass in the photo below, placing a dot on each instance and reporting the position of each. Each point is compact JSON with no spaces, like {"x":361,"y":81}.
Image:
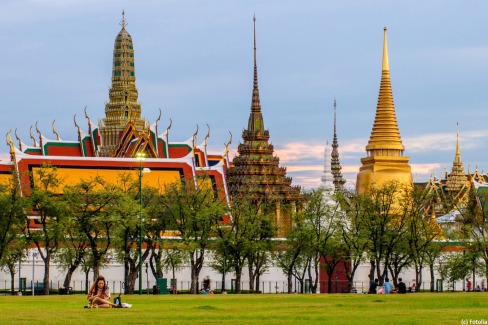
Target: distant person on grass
{"x":387,"y":285}
{"x":372,"y":286}
{"x":99,"y":295}
{"x":401,"y":287}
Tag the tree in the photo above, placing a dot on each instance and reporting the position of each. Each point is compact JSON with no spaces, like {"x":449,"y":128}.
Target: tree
{"x":236,"y":240}
{"x":12,"y":213}
{"x":51,"y":211}
{"x":353,"y":233}
{"x":384,"y":225}
{"x":194,"y":210}
{"x":12,"y":223}
{"x":422,"y":230}
{"x":322,"y":215}
{"x":290,"y":254}
{"x":173,"y":260}
{"x":127,"y":234}
{"x":91,"y":205}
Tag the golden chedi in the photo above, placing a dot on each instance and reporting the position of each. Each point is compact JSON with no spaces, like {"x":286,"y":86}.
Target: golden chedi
{"x":385,"y":161}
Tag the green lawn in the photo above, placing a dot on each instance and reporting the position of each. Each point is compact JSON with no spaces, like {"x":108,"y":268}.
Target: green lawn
{"x":419,"y":308}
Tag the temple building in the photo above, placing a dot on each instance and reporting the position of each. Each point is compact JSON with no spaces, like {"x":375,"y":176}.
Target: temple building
{"x":256,"y":171}
{"x":451,"y":194}
{"x":112,"y":146}
{"x":385,"y":161}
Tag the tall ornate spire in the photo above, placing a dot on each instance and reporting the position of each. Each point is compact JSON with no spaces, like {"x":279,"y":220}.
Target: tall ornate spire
{"x":457,"y":178}
{"x":256,"y":123}
{"x":123,"y":106}
{"x":256,"y":172}
{"x":327,"y":177}
{"x":385,"y":137}
{"x":336,"y":165}
{"x":385,"y":161}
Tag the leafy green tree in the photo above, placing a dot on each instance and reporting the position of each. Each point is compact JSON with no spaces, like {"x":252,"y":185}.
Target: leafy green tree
{"x":422,"y":230}
{"x":13,"y":254}
{"x":384,"y":225}
{"x":51,"y":216}
{"x":236,"y":240}
{"x":194,"y":210}
{"x":353,"y":232}
{"x":12,"y":214}
{"x":321,"y":218}
{"x":174,"y":259}
{"x":91,"y":205}
{"x":292,"y":250}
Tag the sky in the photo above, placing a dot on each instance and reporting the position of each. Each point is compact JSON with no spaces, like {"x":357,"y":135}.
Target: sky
{"x":194,"y":61}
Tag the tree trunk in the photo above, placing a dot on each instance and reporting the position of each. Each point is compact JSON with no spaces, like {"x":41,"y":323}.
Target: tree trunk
{"x":252,"y":277}
{"x":257,"y":288}
{"x":238,"y":279}
{"x":371,"y":270}
{"x":432,"y":277}
{"x":47,"y":264}
{"x":11,"y":269}
{"x":194,"y":278}
{"x":419,"y":280}
{"x":69,"y":274}
{"x":87,"y":287}
{"x":329,"y":282}
{"x":290,"y":282}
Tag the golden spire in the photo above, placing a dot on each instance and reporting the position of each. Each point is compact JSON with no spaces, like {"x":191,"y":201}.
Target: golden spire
{"x":457,"y":157}
{"x":457,"y":178}
{"x":385,"y":137}
{"x":123,"y":22}
{"x":386,"y":65}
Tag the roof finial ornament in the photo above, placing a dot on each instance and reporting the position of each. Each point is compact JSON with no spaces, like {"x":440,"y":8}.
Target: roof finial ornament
{"x":123,"y":22}
{"x":37,"y":129}
{"x":386,"y":65}
{"x":169,"y":126}
{"x":54,"y":131}
{"x":207,"y":136}
{"x":194,"y":138}
{"x":18,"y":139}
{"x":159,"y":118}
{"x":32,"y":137}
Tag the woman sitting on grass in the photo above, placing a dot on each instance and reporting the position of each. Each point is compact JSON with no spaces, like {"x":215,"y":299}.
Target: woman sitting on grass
{"x":99,"y":295}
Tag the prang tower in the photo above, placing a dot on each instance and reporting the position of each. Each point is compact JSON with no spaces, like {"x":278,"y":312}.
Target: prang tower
{"x":123,"y":107}
{"x":385,"y":160}
{"x":256,"y":172}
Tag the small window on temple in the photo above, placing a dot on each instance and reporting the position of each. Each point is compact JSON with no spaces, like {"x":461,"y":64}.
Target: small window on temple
{"x":126,"y":114}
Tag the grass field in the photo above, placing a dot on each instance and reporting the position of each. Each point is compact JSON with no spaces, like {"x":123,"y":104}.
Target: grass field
{"x":419,"y":308}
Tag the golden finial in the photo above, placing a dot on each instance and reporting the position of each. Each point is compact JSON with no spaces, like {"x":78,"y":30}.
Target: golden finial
{"x":37,"y":129}
{"x":123,"y":22}
{"x":54,"y":131}
{"x":228,"y":143}
{"x":207,"y":136}
{"x":8,"y":138}
{"x":458,"y":155}
{"x":18,"y":139}
{"x":195,"y":138}
{"x":158,"y":119}
{"x":76,"y":124}
{"x":86,"y":115}
{"x":169,"y":126}
{"x":32,"y":137}
{"x":386,"y":65}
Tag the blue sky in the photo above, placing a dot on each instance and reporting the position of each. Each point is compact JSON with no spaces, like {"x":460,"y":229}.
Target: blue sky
{"x":194,"y":61}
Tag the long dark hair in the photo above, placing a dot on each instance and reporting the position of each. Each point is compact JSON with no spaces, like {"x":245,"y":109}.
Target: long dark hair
{"x":94,"y":286}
